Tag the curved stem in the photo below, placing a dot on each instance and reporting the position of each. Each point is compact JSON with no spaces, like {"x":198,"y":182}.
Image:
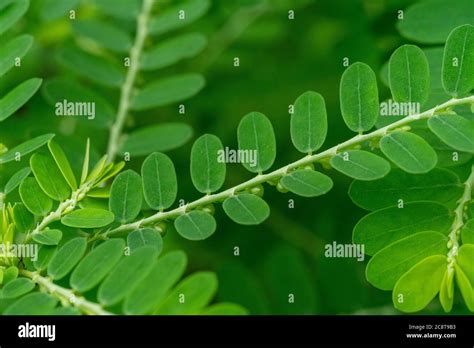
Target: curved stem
{"x":66,"y":296}
{"x":261,"y":178}
{"x":126,"y":90}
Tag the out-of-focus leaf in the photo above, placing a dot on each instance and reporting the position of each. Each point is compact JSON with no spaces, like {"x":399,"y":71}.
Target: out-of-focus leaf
{"x":467,"y":232}
{"x":15,"y":99}
{"x":104,"y":34}
{"x":53,"y":9}
{"x":25,"y":148}
{"x":12,"y":13}
{"x":122,"y":9}
{"x":16,"y":179}
{"x":13,"y":49}
{"x":225,"y":309}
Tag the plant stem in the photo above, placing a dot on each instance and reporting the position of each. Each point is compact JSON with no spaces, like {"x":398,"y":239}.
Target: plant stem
{"x":126,"y":90}
{"x":261,"y":178}
{"x":66,"y":296}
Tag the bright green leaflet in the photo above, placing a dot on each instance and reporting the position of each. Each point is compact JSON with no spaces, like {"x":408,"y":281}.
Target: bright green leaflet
{"x":167,"y":91}
{"x":208,"y":167}
{"x":24,"y":220}
{"x":307,"y":183}
{"x":25,"y":148}
{"x":246,"y":209}
{"x":12,"y":14}
{"x":464,"y":260}
{"x":36,"y":303}
{"x":225,"y":309}
{"x":409,"y":151}
{"x":88,"y":218}
{"x":390,"y":263}
{"x":257,"y":139}
{"x":359,"y":97}
{"x":96,"y":265}
{"x":417,"y":287}
{"x":198,"y":290}
{"x":49,"y":176}
{"x":308,"y":124}
{"x":162,"y":137}
{"x":465,"y":287}
{"x":17,"y":288}
{"x":409,"y":75}
{"x":34,"y":198}
{"x":385,"y":226}
{"x":16,"y":179}
{"x":126,"y":275}
{"x":45,"y":253}
{"x":145,"y":237}
{"x":63,"y":164}
{"x":458,"y":61}
{"x":67,"y":257}
{"x":467,"y":232}
{"x":16,"y":47}
{"x":10,"y":274}
{"x":126,"y":196}
{"x":151,"y":291}
{"x":446,"y":291}
{"x":160,"y":185}
{"x":439,"y":185}
{"x":195,"y":225}
{"x":455,"y":131}
{"x":15,"y":99}
{"x":361,"y":165}
{"x":48,"y":237}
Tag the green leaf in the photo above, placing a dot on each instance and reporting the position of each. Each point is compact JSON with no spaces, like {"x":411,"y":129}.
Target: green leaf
{"x":458,"y":61}
{"x":25,"y":148}
{"x":12,"y":13}
{"x":49,"y":177}
{"x":67,"y":257}
{"x":195,"y":225}
{"x":36,"y":303}
{"x":431,"y":21}
{"x":88,"y":218}
{"x":104,"y":34}
{"x":257,"y":141}
{"x":122,"y":9}
{"x":96,"y":265}
{"x":157,"y":138}
{"x":409,"y":151}
{"x":465,"y":287}
{"x":16,"y":180}
{"x":48,"y":237}
{"x":207,"y":163}
{"x":95,"y":68}
{"x":15,"y":48}
{"x":439,"y":185}
{"x":24,"y":220}
{"x":446,"y":291}
{"x":464,"y":261}
{"x":167,"y":91}
{"x":169,"y":19}
{"x":467,"y":232}
{"x":246,"y":209}
{"x":308,"y":124}
{"x":409,"y":75}
{"x":34,"y":198}
{"x":391,"y":262}
{"x":361,"y":165}
{"x":160,"y":185}
{"x":455,"y":131}
{"x":85,"y":164}
{"x":15,"y":99}
{"x":10,"y":274}
{"x":307,"y":183}
{"x":126,"y":275}
{"x":53,"y":9}
{"x":198,"y":289}
{"x":152,"y":290}
{"x":145,"y":237}
{"x":63,"y":164}
{"x":45,"y":253}
{"x":126,"y":196}
{"x":408,"y":295}
{"x":385,"y":226}
{"x":359,"y":97}
{"x":172,"y":51}
{"x":17,"y":288}
{"x":225,"y":309}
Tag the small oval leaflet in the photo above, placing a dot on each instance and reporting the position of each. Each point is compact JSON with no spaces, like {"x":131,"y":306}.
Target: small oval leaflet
{"x":409,"y":151}
{"x":16,"y":180}
{"x":48,"y":237}
{"x":455,"y":131}
{"x":465,"y":286}
{"x":359,"y":97}
{"x":25,"y":148}
{"x":49,"y":177}
{"x":446,"y":292}
{"x":257,"y":143}
{"x":24,"y":220}
{"x":126,"y":196}
{"x":17,"y":97}
{"x":17,"y":288}
{"x":409,"y":75}
{"x":36,"y":303}
{"x":88,"y":218}
{"x":160,"y":185}
{"x":67,"y":257}
{"x":96,"y":265}
{"x":63,"y":164}
{"x":225,"y":309}
{"x":145,"y":237}
{"x":208,"y":169}
{"x":246,"y":209}
{"x":458,"y":61}
{"x":195,"y":225}
{"x":34,"y":198}
{"x":361,"y":165}
{"x":467,"y":232}
{"x":308,"y":124}
{"x":307,"y":183}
